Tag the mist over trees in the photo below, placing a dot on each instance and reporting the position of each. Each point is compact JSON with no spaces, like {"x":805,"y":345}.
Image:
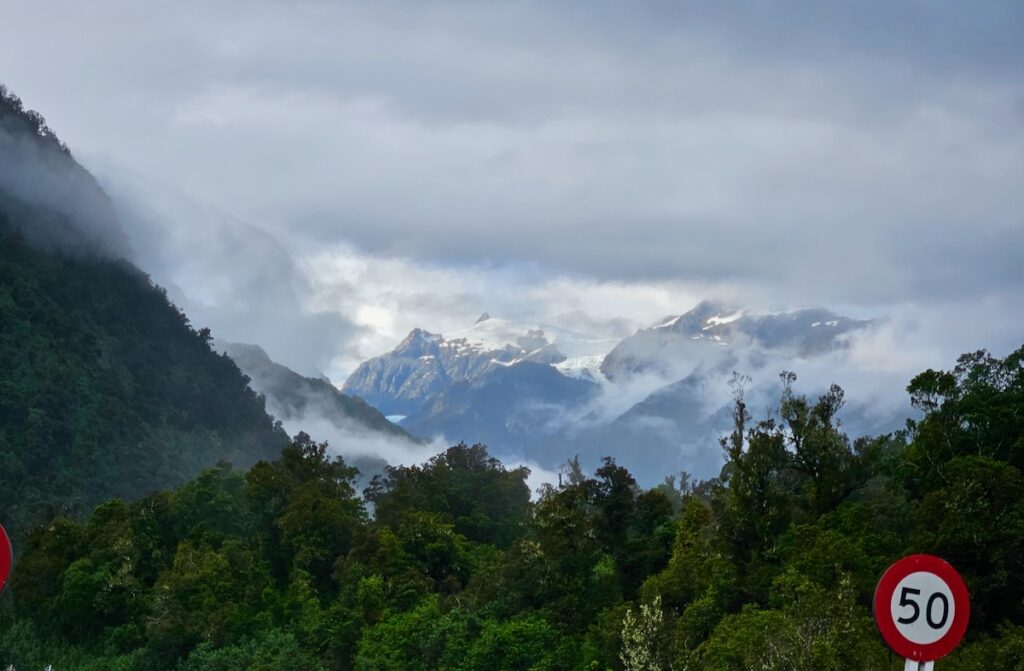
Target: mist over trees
{"x":48,"y":196}
{"x":13,"y":112}
{"x":106,"y":389}
{"x":450,"y":565}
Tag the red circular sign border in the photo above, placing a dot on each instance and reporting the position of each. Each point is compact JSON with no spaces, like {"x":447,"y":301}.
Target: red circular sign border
{"x":883,"y":616}
{"x":6,"y":557}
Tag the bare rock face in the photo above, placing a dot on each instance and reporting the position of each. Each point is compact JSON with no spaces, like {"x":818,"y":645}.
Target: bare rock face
{"x":408,"y":378}
{"x":423,"y":365}
{"x":498,"y":381}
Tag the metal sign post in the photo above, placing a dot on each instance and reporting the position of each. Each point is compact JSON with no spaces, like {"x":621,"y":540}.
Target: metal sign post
{"x":922,"y":609}
{"x":919,"y":666}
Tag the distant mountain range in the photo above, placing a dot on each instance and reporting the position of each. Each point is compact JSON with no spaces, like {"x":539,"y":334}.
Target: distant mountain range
{"x":657,"y":399}
{"x":425,"y":365}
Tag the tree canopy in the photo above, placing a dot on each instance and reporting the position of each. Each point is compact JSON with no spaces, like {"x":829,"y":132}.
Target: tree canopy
{"x":450,"y":565}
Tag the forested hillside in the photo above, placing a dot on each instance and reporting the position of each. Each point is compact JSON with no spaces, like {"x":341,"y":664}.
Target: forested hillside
{"x":770,"y":566}
{"x":293,"y":397}
{"x":105,"y":388}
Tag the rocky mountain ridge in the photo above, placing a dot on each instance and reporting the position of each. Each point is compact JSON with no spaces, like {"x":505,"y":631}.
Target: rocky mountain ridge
{"x":407,"y":379}
{"x":538,"y":393}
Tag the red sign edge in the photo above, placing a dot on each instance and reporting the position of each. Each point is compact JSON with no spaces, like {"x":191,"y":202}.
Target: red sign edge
{"x":6,"y":557}
{"x":883,"y":617}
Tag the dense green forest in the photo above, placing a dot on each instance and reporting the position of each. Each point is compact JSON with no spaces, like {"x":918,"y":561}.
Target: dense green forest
{"x":770,"y":566}
{"x":105,"y":388}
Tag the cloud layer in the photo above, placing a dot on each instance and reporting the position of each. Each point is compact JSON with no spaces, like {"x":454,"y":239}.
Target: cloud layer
{"x":873,"y":150}
{"x":598,"y":165}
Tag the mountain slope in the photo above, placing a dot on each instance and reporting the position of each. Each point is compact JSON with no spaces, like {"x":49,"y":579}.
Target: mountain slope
{"x":106,"y":390}
{"x":46,"y":194}
{"x":500,"y":382}
{"x":507,"y":407}
{"x":407,"y":379}
{"x":291,"y":396}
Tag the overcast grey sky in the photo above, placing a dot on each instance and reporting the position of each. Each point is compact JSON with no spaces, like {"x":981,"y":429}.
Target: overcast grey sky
{"x":600,"y":162}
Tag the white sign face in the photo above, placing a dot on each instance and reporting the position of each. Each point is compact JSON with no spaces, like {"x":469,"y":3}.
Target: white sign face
{"x":922,"y":607}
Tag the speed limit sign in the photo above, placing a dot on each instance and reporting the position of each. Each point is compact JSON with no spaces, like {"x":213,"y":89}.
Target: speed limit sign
{"x":6,"y":558}
{"x":922,"y":608}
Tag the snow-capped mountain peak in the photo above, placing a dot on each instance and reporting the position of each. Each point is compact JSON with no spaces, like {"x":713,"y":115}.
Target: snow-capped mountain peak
{"x":668,"y":346}
{"x":400,"y":381}
{"x":717,"y":320}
